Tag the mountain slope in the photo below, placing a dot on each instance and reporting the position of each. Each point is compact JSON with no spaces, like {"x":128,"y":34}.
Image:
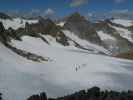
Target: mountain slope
{"x":93,"y":33}
{"x":63,"y":73}
{"x":48,"y":31}
{"x":79,"y":65}
{"x":82,"y":28}
{"x":122,"y":37}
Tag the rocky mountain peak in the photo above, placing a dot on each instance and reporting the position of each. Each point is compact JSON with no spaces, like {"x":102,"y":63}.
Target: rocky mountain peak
{"x":76,"y":17}
{"x":81,"y":27}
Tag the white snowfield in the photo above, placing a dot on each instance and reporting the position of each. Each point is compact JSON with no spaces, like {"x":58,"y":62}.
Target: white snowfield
{"x":105,"y":36}
{"x":123,"y":22}
{"x":70,"y":70}
{"x":16,"y":23}
{"x":61,"y":24}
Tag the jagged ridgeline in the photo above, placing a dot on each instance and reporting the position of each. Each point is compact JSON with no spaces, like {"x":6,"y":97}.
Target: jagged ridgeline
{"x":43,"y":26}
{"x":82,"y":28}
{"x":115,"y":38}
{"x":109,"y":33}
{"x":47,"y":27}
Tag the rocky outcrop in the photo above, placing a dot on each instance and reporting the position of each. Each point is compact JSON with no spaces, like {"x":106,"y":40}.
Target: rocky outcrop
{"x":27,"y":55}
{"x":0,"y":96}
{"x":91,"y":94}
{"x":47,"y":27}
{"x":44,"y":26}
{"x":126,"y":55}
{"x":4,"y":37}
{"x":14,"y":34}
{"x":130,"y":28}
{"x":96,"y":94}
{"x":17,"y":34}
{"x":42,"y":96}
{"x":2,"y":29}
{"x":7,"y":35}
{"x":82,"y":27}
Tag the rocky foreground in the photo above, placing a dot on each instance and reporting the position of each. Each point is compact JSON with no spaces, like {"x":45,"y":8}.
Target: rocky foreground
{"x":91,"y":94}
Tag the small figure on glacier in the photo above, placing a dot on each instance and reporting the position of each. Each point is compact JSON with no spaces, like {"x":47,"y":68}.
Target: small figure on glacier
{"x":76,"y":69}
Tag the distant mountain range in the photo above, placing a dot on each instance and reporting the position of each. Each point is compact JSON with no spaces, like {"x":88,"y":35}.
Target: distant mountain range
{"x":112,"y":36}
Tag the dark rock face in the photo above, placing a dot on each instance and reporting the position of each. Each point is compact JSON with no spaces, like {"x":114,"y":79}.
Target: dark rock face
{"x":81,"y":27}
{"x":42,"y":96}
{"x":44,"y":26}
{"x":0,"y":96}
{"x":3,"y":34}
{"x":4,"y":16}
{"x":91,"y":94}
{"x":61,"y":38}
{"x":6,"y":35}
{"x":2,"y":29}
{"x":130,"y":28}
{"x":126,"y":55}
{"x":13,"y":34}
{"x":34,"y":97}
{"x":47,"y":26}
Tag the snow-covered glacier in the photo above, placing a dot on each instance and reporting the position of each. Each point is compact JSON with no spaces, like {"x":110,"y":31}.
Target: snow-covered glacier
{"x":69,"y":69}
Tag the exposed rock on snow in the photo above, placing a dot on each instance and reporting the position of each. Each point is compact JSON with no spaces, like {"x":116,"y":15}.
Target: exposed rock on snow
{"x":120,"y":44}
{"x":28,"y":55}
{"x":48,"y":27}
{"x":84,"y":43}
